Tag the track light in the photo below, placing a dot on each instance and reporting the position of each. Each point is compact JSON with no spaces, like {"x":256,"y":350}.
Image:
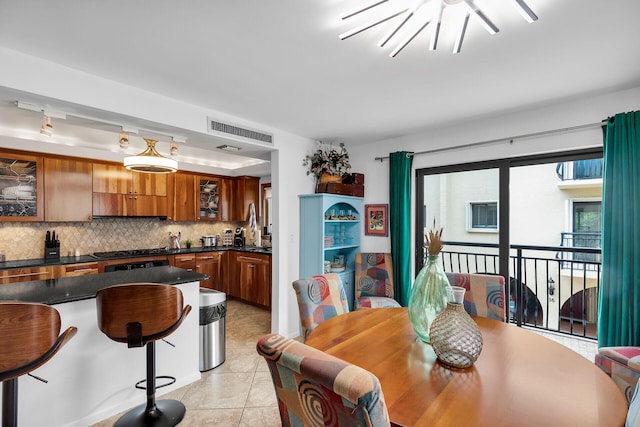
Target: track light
{"x":47,"y":126}
{"x":173,"y":148}
{"x":124,"y":139}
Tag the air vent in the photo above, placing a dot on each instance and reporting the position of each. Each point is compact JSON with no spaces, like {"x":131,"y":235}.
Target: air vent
{"x":239,"y":133}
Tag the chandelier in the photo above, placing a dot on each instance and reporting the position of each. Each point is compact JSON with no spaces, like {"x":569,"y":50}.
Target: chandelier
{"x":415,"y":16}
{"x":150,"y":161}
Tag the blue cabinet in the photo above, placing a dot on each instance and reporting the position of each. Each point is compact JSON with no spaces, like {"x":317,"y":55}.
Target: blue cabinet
{"x":330,"y":233}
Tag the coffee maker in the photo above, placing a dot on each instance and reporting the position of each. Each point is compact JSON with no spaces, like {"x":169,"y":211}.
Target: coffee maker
{"x":239,"y":237}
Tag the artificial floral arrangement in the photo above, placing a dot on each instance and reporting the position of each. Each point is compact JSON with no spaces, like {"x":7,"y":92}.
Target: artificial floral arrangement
{"x":331,"y":160}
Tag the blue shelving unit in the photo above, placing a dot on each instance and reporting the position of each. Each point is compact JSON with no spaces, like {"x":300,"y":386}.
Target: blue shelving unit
{"x":330,"y":229}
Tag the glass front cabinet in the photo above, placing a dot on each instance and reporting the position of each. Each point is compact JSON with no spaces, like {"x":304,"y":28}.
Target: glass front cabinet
{"x":330,"y":237}
{"x":20,"y":188}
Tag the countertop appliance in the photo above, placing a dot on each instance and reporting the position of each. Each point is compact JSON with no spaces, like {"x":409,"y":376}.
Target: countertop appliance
{"x":239,"y":237}
{"x":209,"y":241}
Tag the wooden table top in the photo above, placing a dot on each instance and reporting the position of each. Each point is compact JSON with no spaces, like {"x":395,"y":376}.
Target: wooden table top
{"x":520,"y":379}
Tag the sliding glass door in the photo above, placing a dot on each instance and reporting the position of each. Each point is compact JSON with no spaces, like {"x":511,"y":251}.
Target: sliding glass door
{"x":535,"y":220}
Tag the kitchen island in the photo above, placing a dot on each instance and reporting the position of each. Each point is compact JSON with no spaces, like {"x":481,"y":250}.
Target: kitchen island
{"x":93,"y":377}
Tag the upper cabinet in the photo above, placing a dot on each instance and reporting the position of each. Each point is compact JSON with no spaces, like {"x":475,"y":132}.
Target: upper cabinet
{"x":246,"y":190}
{"x":184,"y":197}
{"x":120,"y":192}
{"x":67,"y":189}
{"x":21,"y":195}
{"x":209,"y":197}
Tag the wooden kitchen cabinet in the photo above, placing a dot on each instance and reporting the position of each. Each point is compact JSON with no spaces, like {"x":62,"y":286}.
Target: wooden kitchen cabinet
{"x":246,"y":190}
{"x":27,"y":274}
{"x":185,"y":261}
{"x":253,"y":278}
{"x":80,"y":269}
{"x":67,"y":189}
{"x":120,"y":192}
{"x":21,"y":188}
{"x":211,"y":264}
{"x":184,"y":197}
{"x":209,"y":192}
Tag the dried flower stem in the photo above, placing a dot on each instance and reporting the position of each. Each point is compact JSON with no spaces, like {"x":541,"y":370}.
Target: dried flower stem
{"x":434,"y":240}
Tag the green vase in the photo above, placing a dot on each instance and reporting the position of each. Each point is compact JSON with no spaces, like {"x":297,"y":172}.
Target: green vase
{"x":428,"y":297}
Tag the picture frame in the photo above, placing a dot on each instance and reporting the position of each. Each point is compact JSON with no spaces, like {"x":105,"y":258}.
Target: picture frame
{"x":376,"y":220}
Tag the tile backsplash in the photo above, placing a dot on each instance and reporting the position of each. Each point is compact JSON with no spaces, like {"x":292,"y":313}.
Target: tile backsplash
{"x":26,"y":240}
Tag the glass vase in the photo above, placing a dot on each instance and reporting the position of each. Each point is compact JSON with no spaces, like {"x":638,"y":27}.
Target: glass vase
{"x":428,"y":297}
{"x":455,"y":337}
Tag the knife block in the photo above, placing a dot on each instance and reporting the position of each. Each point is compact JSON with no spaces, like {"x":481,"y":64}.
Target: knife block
{"x":51,"y":253}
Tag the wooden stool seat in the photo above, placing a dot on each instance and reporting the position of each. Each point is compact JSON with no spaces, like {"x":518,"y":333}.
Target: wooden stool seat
{"x":139,"y":314}
{"x":28,"y":339}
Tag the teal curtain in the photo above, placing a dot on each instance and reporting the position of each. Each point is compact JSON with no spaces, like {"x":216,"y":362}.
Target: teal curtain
{"x":619,"y":298}
{"x":400,"y":223}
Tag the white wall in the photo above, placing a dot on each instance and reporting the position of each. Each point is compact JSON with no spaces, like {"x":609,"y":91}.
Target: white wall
{"x":575,"y":112}
{"x":29,"y":74}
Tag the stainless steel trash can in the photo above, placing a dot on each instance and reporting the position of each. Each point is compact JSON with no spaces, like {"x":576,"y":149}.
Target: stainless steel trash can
{"x":213,"y":311}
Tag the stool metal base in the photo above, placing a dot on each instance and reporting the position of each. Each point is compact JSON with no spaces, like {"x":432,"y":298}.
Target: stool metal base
{"x":167,"y":413}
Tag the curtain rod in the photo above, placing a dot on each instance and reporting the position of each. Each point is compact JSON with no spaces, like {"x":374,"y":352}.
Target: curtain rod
{"x":510,"y":139}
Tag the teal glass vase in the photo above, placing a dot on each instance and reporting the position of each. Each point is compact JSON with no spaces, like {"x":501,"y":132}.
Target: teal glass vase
{"x":428,"y":297}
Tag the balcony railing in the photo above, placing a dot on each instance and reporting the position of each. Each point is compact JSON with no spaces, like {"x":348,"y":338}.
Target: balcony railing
{"x":580,"y":169}
{"x":552,"y":288}
{"x":582,"y":239}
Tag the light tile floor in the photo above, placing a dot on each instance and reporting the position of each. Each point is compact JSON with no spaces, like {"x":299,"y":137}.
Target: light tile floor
{"x":240,"y":392}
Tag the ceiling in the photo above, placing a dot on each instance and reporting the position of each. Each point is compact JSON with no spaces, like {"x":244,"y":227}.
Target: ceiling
{"x":282,"y":63}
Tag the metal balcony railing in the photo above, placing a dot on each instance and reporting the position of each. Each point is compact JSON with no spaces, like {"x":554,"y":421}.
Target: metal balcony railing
{"x":553,"y":288}
{"x":580,"y":169}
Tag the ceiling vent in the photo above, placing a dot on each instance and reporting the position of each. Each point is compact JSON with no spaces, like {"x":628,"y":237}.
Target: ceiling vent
{"x":238,"y":133}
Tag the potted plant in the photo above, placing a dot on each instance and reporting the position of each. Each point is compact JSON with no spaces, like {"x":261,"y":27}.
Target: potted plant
{"x":188,"y":242}
{"x":328,"y":164}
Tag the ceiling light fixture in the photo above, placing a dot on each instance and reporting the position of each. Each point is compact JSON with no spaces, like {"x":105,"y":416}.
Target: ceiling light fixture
{"x":421,"y":14}
{"x":150,"y":161}
{"x":47,"y":126}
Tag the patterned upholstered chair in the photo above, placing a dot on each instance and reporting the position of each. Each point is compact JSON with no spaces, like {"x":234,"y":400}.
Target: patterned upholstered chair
{"x":374,"y":281}
{"x":320,"y":298}
{"x":484,"y":296}
{"x":622,"y":364}
{"x":317,"y":389}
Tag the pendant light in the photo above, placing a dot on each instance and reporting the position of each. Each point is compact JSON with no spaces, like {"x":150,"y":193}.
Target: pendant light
{"x":150,"y":161}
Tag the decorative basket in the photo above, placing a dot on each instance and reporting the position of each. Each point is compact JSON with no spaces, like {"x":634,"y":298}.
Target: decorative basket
{"x":327,"y":177}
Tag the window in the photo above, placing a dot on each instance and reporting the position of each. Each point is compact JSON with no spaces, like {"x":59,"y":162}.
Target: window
{"x":484,"y":215}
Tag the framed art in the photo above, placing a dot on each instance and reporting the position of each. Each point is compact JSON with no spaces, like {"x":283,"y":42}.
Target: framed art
{"x":376,"y":220}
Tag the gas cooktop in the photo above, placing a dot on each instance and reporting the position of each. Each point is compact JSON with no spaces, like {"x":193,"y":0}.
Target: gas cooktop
{"x":132,"y":253}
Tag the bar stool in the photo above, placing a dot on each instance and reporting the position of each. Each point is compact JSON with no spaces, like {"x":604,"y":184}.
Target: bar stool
{"x":28,"y":339}
{"x":139,"y":314}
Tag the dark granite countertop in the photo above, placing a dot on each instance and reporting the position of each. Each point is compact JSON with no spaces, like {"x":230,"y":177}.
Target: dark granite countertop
{"x":69,"y":289}
{"x":41,"y":262}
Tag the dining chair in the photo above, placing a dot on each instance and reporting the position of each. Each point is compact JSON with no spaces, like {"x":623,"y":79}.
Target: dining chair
{"x":374,"y":281}
{"x":622,"y":364}
{"x":316,"y":389}
{"x":320,"y":298}
{"x":484,"y":296}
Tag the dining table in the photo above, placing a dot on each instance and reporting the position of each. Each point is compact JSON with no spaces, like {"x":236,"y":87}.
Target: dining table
{"x":520,"y":379}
